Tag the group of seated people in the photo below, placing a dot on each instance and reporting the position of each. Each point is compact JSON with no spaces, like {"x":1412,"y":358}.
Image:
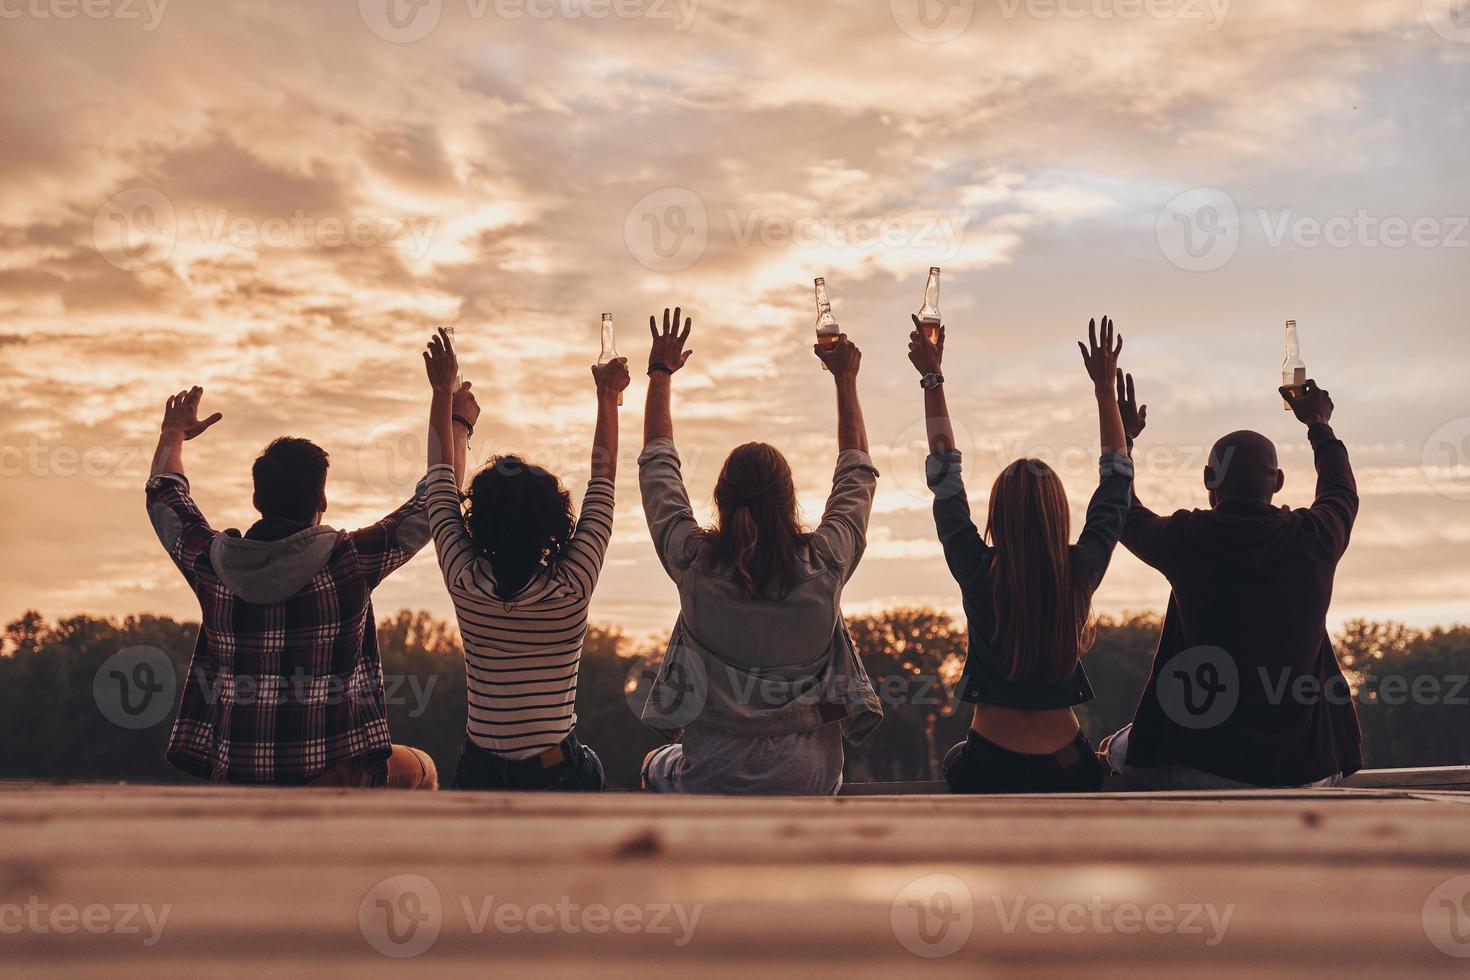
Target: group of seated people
{"x":760,"y":684}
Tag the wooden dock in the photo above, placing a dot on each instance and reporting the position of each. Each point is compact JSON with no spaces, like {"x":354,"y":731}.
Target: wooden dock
{"x":1349,"y":882}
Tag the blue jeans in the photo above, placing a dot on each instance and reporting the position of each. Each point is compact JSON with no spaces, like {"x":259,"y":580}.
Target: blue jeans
{"x":577,"y":768}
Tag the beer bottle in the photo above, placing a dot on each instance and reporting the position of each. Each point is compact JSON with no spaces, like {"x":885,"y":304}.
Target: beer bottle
{"x":827,"y":329}
{"x":1293,"y":369}
{"x":929,"y":312}
{"x":609,"y":346}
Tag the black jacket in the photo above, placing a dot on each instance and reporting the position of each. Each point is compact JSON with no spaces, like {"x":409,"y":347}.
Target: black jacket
{"x":986,"y":678}
{"x":1245,"y":683}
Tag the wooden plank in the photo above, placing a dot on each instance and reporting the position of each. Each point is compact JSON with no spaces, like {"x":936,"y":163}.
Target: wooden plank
{"x":274,"y":880}
{"x":1431,"y":777}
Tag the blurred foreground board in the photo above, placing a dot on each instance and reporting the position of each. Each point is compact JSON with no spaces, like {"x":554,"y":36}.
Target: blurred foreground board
{"x":126,"y":880}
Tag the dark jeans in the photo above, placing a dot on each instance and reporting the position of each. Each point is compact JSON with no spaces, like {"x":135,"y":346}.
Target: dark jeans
{"x":569,"y":766}
{"x":977,"y":765}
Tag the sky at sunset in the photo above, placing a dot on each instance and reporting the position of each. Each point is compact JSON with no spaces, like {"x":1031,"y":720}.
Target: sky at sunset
{"x":279,"y":201}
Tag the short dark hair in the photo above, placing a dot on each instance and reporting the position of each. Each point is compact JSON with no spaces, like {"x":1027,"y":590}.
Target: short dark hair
{"x":290,"y":478}
{"x":519,"y":517}
{"x":1245,"y":466}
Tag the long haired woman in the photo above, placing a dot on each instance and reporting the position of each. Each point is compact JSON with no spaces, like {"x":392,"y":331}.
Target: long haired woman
{"x":1027,"y":591}
{"x":760,"y":673}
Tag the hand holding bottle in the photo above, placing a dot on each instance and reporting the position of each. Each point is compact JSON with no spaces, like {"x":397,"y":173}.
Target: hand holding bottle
{"x":1309,"y":403}
{"x":841,"y":357}
{"x":926,"y":354}
{"x":611,"y":377}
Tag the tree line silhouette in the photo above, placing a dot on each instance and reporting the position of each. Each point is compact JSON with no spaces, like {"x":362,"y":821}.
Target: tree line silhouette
{"x":1412,"y":689}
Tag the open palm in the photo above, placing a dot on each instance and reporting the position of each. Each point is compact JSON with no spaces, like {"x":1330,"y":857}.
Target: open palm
{"x":181,"y":414}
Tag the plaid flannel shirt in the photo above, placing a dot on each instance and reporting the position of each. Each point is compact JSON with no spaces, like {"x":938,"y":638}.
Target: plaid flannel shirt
{"x":278,"y":692}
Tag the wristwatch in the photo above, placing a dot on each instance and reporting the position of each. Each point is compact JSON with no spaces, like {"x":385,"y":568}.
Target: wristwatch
{"x":931,"y":380}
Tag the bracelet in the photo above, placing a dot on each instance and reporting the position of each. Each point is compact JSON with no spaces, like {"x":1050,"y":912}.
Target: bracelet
{"x":469,"y":429}
{"x":660,"y":366}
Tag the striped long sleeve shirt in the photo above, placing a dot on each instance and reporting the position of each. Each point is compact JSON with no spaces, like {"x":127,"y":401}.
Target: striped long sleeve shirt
{"x":522,"y":652}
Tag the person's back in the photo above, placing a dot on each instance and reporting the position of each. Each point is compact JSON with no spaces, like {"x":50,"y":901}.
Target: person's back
{"x":1246,"y":689}
{"x":1027,"y":591}
{"x":788,"y":627}
{"x":285,"y":686}
{"x":520,"y":571}
{"x":760,"y":673}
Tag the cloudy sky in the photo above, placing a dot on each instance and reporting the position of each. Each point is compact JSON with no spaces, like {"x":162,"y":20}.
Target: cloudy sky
{"x":278,"y":201}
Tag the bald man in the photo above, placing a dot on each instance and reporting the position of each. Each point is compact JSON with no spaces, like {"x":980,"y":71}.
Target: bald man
{"x":1245,"y":690}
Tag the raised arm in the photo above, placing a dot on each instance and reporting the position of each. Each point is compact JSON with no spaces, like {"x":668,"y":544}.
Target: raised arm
{"x":660,"y":479}
{"x":927,"y":357}
{"x":466,"y":415}
{"x":666,"y":356}
{"x":447,"y":438}
{"x":453,"y":412}
{"x":180,"y":424}
{"x":176,"y":519}
{"x":1101,"y":361}
{"x":611,"y":379}
{"x":965,"y":551}
{"x":1107,"y":512}
{"x":843,"y":532}
{"x":1145,"y":533}
{"x":843,"y":359}
{"x":1336,"y":503}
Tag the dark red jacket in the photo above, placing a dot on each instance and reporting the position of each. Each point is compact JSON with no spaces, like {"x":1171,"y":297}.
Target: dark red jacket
{"x":1245,"y":683}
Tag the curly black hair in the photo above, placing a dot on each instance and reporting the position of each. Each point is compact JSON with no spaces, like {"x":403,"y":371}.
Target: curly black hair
{"x":519,"y":517}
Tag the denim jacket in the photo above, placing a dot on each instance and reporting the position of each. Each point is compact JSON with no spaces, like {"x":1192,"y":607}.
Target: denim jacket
{"x":760,"y":667}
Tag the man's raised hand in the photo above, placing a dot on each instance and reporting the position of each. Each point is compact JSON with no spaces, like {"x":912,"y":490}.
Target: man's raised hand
{"x":1135,"y":416}
{"x":1309,"y":403}
{"x":668,"y":353}
{"x":181,"y":414}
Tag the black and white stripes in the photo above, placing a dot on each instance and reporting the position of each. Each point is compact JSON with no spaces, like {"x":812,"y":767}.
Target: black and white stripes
{"x":522,"y":652}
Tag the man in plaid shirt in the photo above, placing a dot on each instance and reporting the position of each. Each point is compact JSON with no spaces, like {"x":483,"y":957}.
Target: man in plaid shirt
{"x":285,"y":686}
